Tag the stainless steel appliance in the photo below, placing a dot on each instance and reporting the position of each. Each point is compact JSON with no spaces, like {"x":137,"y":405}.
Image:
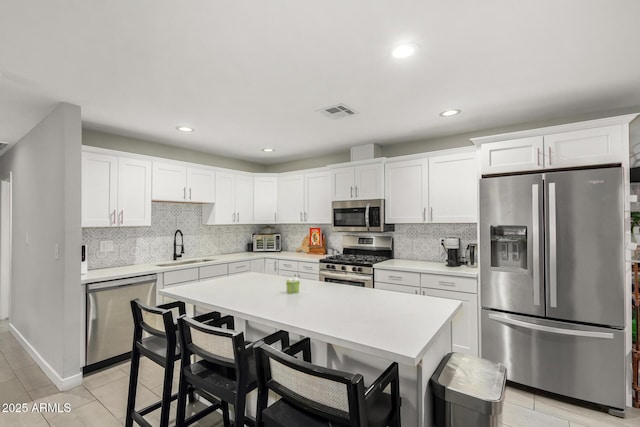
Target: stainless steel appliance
{"x":355,"y":265}
{"x":452,"y":246}
{"x":360,"y":215}
{"x":109,"y":331}
{"x":267,"y":243}
{"x":552,"y":275}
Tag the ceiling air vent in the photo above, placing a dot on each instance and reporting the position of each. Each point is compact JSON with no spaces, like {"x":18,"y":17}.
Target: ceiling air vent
{"x":337,"y":111}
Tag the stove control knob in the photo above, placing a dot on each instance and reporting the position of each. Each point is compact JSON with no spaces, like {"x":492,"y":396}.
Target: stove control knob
{"x":360,"y":269}
{"x":343,"y":268}
{"x":354,"y":269}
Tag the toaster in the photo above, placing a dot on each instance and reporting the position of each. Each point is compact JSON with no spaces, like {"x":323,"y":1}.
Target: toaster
{"x":267,"y":243}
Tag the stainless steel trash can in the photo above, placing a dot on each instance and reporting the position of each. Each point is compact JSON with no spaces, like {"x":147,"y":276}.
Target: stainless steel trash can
{"x":468,"y":391}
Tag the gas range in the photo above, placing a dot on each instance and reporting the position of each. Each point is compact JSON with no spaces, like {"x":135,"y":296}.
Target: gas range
{"x":355,"y":265}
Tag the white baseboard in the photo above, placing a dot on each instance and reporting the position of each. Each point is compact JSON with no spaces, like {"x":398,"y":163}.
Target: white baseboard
{"x":62,"y":383}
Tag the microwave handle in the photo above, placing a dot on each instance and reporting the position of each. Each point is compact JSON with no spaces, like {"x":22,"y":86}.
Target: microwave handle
{"x":366,"y":216}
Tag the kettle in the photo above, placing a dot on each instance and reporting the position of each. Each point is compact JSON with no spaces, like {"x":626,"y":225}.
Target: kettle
{"x":472,"y":250}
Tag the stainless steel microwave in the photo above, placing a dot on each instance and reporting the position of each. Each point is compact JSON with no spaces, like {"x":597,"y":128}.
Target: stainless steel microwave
{"x":359,"y":215}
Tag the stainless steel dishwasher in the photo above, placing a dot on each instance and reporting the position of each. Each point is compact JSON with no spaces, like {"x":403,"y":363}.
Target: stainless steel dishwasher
{"x":109,"y":320}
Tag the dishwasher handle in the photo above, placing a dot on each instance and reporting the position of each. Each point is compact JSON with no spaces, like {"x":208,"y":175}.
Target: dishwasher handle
{"x":110,"y":284}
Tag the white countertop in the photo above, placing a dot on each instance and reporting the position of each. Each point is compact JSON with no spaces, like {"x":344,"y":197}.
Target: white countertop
{"x":391,"y":325}
{"x":427,"y":267}
{"x":113,"y":273}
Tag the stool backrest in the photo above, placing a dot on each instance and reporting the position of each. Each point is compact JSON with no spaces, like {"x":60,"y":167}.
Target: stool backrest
{"x":220,"y":346}
{"x":331,"y":394}
{"x":153,"y":320}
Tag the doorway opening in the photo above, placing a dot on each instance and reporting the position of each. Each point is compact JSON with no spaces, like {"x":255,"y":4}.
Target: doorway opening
{"x":6,"y":202}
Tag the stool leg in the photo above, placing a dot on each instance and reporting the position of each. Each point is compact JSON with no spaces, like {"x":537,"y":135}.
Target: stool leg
{"x":225,"y":414}
{"x":183,"y":390}
{"x":133,"y":385}
{"x":166,"y":394}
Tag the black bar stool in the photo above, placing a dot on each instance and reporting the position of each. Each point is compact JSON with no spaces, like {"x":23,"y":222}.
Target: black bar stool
{"x":314,"y":396}
{"x":224,"y":370}
{"x":160,"y":345}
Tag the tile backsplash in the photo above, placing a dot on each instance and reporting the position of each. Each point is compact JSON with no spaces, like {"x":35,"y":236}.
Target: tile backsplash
{"x":141,"y":245}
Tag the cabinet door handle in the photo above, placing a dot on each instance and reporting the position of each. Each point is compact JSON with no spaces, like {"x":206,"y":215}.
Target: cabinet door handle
{"x":189,"y":193}
{"x":449,"y":284}
{"x":306,"y":216}
{"x":351,"y":192}
{"x":300,"y":216}
{"x":431,"y":214}
{"x":424,"y":293}
{"x":275,"y":217}
{"x":415,"y":292}
{"x":184,"y":193}
{"x":549,"y":163}
{"x":356,"y":191}
{"x":233,"y":217}
{"x":122,"y":217}
{"x":238,"y":217}
{"x":424,"y":214}
{"x":538,"y":156}
{"x":113,"y":221}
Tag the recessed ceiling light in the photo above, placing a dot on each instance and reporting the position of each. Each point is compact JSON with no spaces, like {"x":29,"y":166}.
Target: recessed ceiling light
{"x":449,"y":113}
{"x":404,"y":50}
{"x":185,"y":129}
{"x":268,"y":150}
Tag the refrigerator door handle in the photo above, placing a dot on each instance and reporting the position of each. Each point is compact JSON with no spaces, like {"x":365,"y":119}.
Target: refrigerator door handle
{"x":553,"y":286}
{"x":535,"y":213}
{"x":560,"y":331}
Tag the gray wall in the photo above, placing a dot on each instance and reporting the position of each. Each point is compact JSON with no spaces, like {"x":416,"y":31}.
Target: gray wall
{"x":139,"y":146}
{"x":46,"y":292}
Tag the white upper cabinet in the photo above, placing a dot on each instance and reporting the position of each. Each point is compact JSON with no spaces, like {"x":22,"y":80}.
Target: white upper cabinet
{"x":291,"y":199}
{"x":583,"y":147}
{"x":173,"y":182}
{"x":116,"y":191}
{"x":442,"y":188}
{"x":244,"y":199}
{"x":305,"y":198}
{"x":265,"y":199}
{"x":317,"y":190}
{"x":453,"y":188}
{"x":358,"y":182}
{"x":523,"y":154}
{"x":406,"y":191}
{"x":200,"y":185}
{"x":578,"y":144}
{"x":234,"y":200}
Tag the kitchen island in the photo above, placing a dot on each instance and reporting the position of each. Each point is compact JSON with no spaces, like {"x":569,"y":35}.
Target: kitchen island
{"x":354,"y":329}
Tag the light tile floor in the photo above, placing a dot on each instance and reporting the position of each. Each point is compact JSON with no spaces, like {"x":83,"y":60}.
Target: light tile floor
{"x":101,"y":400}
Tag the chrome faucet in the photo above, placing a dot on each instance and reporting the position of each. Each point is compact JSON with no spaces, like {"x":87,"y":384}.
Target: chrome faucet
{"x":177,"y":255}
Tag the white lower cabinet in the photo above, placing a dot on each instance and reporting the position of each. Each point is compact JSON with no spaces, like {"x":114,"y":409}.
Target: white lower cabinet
{"x":257,"y":265}
{"x":239,"y":267}
{"x":465,"y":323}
{"x":271,"y":266}
{"x":304,"y":270}
{"x":464,"y":337}
{"x":464,"y":289}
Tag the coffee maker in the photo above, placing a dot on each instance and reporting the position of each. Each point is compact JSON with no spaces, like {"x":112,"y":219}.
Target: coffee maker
{"x":452,"y":246}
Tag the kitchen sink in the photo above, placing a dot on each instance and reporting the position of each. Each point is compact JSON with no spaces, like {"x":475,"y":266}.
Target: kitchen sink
{"x":184,"y":262}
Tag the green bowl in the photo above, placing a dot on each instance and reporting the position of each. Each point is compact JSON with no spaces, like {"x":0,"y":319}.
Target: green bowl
{"x":293,"y":286}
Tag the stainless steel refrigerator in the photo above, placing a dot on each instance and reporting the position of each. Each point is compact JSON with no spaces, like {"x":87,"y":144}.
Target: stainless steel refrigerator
{"x":552,"y":281}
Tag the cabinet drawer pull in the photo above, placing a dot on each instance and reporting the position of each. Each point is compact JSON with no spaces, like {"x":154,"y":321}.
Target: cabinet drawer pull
{"x":240,"y":266}
{"x":306,"y":267}
{"x":446,"y":283}
{"x":395,"y":277}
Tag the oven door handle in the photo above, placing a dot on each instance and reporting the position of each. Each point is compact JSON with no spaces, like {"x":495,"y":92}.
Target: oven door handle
{"x":345,"y":276}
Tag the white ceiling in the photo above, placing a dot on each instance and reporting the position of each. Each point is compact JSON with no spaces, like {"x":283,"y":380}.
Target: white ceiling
{"x":251,"y":74}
